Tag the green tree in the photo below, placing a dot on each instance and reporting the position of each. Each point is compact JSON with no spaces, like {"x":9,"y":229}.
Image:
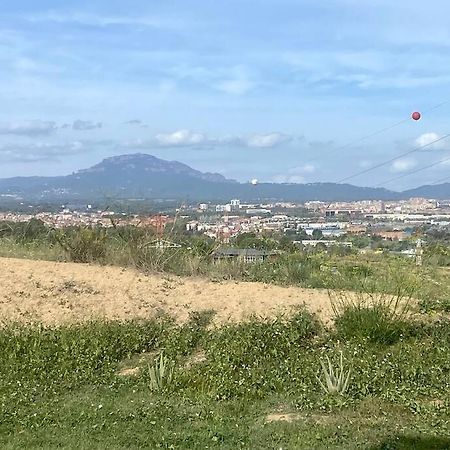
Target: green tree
{"x":317,"y":234}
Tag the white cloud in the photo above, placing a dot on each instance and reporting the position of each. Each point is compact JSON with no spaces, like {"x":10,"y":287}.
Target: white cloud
{"x":268,"y":140}
{"x":24,"y":65}
{"x":28,"y":128}
{"x":234,"y":80}
{"x":295,"y":174}
{"x":446,"y":161}
{"x":403,"y":165}
{"x":365,"y":163}
{"x":308,"y":168}
{"x":43,"y":151}
{"x":285,"y":178}
{"x":237,"y":86}
{"x":369,"y":69}
{"x":428,"y":140}
{"x":181,"y":138}
{"x":104,"y":20}
{"x":295,"y":179}
{"x":189,"y":138}
{"x":134,"y":122}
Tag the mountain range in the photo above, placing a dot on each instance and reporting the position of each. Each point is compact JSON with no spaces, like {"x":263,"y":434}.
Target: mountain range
{"x":147,"y":177}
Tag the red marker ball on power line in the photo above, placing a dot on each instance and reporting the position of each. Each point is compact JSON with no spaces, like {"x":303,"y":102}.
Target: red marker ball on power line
{"x":416,"y":115}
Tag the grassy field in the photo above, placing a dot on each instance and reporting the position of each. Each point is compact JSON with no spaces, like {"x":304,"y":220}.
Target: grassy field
{"x":256,"y":384}
{"x":250,"y":385}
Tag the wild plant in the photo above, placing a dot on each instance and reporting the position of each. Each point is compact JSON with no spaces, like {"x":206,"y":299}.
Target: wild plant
{"x":84,"y":244}
{"x":161,"y":373}
{"x":335,"y":380}
{"x":378,"y":316}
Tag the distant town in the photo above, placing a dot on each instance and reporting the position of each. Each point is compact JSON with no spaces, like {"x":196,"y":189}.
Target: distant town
{"x":310,"y":223}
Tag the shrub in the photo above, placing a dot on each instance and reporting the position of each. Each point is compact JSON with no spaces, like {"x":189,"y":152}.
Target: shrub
{"x":374,"y":323}
{"x":258,"y":357}
{"x":38,"y":358}
{"x":84,"y":244}
{"x":379,"y":318}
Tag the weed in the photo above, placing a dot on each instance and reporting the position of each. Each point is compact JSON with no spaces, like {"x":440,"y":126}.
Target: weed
{"x":127,"y":246}
{"x":60,"y":386}
{"x":378,"y":317}
{"x":160,"y":373}
{"x":83,"y":245}
{"x":335,"y":380}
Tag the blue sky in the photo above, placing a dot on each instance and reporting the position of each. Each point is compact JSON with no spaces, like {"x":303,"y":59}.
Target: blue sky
{"x":267,"y":89}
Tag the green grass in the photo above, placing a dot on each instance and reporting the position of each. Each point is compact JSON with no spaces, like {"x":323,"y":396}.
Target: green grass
{"x":60,"y":387}
{"x":127,"y":418}
{"x":9,"y":248}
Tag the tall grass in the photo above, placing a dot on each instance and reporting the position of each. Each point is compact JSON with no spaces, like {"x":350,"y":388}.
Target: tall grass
{"x":377,"y":316}
{"x":83,"y":245}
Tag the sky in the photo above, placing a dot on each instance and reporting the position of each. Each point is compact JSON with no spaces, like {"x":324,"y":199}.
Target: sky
{"x":279,"y":90}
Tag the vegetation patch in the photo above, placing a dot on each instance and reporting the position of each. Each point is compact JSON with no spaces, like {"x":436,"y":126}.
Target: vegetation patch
{"x":77,"y":385}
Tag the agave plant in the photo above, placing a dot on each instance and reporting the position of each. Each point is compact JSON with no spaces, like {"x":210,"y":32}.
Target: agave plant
{"x":161,"y":373}
{"x":336,"y":380}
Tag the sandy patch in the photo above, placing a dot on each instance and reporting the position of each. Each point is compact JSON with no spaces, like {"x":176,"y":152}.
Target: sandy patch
{"x":287,"y":417}
{"x":129,"y":372}
{"x":54,"y":293}
{"x":197,"y":357}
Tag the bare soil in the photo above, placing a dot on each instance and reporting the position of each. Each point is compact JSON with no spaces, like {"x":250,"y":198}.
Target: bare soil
{"x":54,"y":293}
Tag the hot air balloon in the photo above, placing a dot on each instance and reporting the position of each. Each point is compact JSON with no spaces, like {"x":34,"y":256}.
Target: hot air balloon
{"x":416,"y":115}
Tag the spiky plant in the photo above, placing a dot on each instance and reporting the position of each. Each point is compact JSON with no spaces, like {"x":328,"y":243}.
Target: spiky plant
{"x":161,"y":373}
{"x":336,"y":380}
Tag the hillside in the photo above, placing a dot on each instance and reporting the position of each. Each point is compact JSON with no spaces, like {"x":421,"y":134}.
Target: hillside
{"x":147,"y":177}
{"x":438,"y":191}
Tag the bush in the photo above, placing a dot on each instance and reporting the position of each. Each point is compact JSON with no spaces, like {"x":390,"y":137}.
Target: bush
{"x":84,"y":244}
{"x":377,"y":317}
{"x":374,"y":323}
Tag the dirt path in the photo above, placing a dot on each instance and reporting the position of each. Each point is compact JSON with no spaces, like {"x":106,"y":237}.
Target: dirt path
{"x":55,"y":293}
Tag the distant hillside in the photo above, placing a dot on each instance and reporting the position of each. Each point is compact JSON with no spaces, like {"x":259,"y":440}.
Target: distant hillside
{"x":438,"y":191}
{"x":147,"y":177}
{"x":139,"y":166}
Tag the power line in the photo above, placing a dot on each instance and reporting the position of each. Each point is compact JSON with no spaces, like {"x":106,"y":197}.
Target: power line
{"x":428,"y":166}
{"x":358,"y":140}
{"x":396,"y":157}
{"x":375,"y":133}
{"x":386,"y":162}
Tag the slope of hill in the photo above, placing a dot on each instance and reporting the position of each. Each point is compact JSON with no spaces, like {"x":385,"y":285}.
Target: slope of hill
{"x":148,"y":177}
{"x":438,"y":191}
